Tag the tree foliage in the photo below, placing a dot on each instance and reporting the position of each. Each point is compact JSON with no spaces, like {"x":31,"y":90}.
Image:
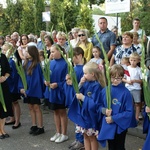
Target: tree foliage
{"x":11,"y":17}
{"x":28,"y":17}
{"x":39,"y":8}
{"x":84,"y":19}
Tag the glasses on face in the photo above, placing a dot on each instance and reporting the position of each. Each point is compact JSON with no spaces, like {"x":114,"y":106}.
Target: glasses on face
{"x":116,"y":78}
{"x":81,"y":35}
{"x":61,"y":39}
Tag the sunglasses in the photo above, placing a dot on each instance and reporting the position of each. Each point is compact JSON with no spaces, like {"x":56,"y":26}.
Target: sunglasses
{"x":81,"y":35}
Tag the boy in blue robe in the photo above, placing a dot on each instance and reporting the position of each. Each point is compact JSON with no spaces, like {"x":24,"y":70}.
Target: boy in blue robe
{"x":146,"y":128}
{"x":120,"y":117}
{"x":78,"y":61}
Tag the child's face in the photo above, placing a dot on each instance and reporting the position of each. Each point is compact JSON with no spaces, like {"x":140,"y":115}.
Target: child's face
{"x":55,"y":54}
{"x":76,"y":59}
{"x":41,"y":57}
{"x":116,"y":80}
{"x":96,"y":53}
{"x":125,"y":62}
{"x":133,"y":62}
{"x":27,"y":55}
{"x":4,"y":49}
{"x":88,"y":76}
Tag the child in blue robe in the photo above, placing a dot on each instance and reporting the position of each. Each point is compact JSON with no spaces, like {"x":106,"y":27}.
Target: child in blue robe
{"x":35,"y":88}
{"x":83,"y":110}
{"x":120,"y":117}
{"x":58,"y":68}
{"x":78,"y":61}
{"x":146,"y":128}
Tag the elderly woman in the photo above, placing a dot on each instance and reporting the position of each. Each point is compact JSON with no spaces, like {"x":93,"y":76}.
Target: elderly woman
{"x":85,"y":44}
{"x":62,"y":40}
{"x":123,"y":50}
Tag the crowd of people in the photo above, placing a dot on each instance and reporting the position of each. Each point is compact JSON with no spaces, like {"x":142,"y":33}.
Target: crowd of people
{"x":87,"y":108}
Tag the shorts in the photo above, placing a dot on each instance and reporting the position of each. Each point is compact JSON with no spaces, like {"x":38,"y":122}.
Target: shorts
{"x":32,"y":100}
{"x":136,"y":94}
{"x":54,"y":106}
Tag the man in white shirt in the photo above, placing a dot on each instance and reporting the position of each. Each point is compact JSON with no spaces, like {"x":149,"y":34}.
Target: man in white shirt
{"x":136,"y":28}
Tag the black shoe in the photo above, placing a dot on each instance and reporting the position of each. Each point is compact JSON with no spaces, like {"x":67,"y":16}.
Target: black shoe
{"x":33,"y":129}
{"x":39,"y":131}
{"x":6,"y":135}
{"x":2,"y":136}
{"x":9,"y":123}
{"x":15,"y":127}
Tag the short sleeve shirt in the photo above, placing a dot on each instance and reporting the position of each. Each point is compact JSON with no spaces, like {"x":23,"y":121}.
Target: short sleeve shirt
{"x":107,"y":38}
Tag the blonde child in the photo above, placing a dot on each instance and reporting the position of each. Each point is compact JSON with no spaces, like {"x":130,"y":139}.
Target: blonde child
{"x":58,"y":67}
{"x":125,"y":63}
{"x":83,"y":110}
{"x":134,"y":81}
{"x":35,"y":88}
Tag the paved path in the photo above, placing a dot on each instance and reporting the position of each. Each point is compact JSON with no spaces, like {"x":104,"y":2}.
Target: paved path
{"x":20,"y":139}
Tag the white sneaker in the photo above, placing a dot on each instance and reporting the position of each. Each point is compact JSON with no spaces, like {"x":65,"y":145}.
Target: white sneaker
{"x":61,"y":138}
{"x":57,"y":135}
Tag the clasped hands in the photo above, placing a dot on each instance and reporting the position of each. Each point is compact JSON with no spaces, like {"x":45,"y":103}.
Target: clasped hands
{"x":108,"y":116}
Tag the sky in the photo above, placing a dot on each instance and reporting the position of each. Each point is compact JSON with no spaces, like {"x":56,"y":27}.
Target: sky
{"x":3,"y":2}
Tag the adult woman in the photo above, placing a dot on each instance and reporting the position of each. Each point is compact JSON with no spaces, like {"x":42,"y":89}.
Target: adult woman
{"x":74,"y":41}
{"x":48,"y":43}
{"x":85,"y":44}
{"x":4,"y":74}
{"x":118,"y":38}
{"x":61,"y":40}
{"x":136,"y":44}
{"x":22,"y":47}
{"x":123,"y":50}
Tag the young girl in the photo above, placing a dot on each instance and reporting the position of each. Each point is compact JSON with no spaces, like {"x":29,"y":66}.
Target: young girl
{"x":83,"y":110}
{"x":35,"y":88}
{"x":96,"y":53}
{"x":8,"y":50}
{"x":58,"y":67}
{"x":79,"y":61}
{"x":120,"y":117}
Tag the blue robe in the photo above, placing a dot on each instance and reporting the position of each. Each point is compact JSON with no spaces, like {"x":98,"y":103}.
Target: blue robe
{"x":122,"y":113}
{"x":86,"y":115}
{"x":35,"y":82}
{"x":68,"y":89}
{"x":58,"y":69}
{"x":13,"y":78}
{"x":146,"y":129}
